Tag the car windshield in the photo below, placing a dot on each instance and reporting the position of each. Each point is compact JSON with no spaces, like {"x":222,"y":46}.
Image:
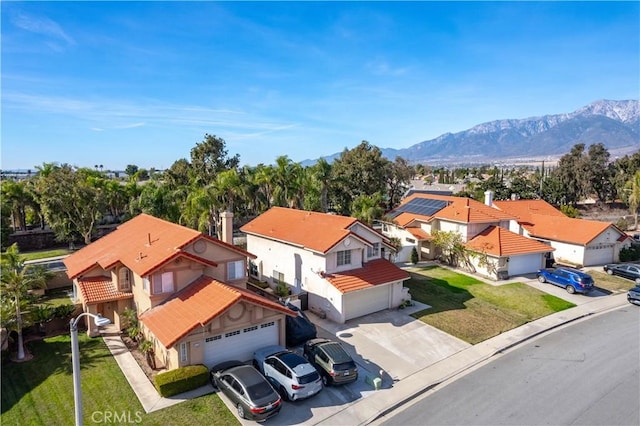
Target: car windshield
{"x":309,"y":378}
{"x":259,"y":390}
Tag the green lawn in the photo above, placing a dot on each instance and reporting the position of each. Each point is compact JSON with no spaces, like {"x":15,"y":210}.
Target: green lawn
{"x":610,"y":282}
{"x":473,"y":310}
{"x":40,"y":391}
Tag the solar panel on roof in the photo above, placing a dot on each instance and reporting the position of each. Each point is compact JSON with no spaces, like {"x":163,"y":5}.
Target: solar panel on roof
{"x":421,"y":206}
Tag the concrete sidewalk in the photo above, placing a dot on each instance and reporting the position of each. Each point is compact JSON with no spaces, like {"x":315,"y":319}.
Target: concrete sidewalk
{"x":142,"y":387}
{"x":367,"y":410}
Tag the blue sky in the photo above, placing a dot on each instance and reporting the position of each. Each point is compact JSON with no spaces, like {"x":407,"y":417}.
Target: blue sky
{"x":118,"y":83}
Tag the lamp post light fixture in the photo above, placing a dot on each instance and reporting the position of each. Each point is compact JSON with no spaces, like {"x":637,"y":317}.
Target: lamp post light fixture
{"x":99,"y":321}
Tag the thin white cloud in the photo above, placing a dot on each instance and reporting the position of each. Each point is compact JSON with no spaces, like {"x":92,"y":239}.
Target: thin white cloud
{"x":43,"y":26}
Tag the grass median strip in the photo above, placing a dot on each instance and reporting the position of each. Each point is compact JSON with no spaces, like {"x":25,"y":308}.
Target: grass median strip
{"x":473,"y":310}
{"x":40,"y":391}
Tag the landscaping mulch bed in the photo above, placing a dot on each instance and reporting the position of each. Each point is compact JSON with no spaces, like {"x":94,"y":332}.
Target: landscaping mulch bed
{"x":141,"y":359}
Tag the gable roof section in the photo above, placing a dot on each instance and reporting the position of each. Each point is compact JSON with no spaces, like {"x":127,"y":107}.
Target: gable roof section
{"x":419,"y":233}
{"x":376,"y":272}
{"x":142,"y":244}
{"x":498,"y":241}
{"x":101,"y":289}
{"x":567,"y":229}
{"x":523,"y":209}
{"x":312,"y":230}
{"x":196,"y":305}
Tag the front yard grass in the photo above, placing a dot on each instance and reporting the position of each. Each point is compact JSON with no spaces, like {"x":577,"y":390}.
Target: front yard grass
{"x":473,"y":310}
{"x":40,"y":391}
{"x":610,"y":282}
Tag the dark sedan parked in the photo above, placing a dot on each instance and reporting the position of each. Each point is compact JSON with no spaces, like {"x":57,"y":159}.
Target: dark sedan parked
{"x":253,"y":396}
{"x":630,"y":271}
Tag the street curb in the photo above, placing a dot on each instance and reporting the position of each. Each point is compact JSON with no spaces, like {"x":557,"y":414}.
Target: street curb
{"x":500,"y":350}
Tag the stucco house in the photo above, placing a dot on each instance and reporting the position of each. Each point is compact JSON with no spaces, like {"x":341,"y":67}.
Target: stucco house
{"x":577,"y":242}
{"x":339,"y":262}
{"x":188,"y":289}
{"x":496,"y":252}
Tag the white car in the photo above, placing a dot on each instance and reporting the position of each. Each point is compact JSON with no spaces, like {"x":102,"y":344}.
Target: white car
{"x":288,"y":372}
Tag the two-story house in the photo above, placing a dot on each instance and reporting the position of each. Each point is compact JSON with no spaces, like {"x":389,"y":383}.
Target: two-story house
{"x":340,"y":262}
{"x":188,"y":290}
{"x":495,"y":251}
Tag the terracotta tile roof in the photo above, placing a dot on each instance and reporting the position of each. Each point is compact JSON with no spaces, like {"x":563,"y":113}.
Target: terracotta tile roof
{"x":312,"y":230}
{"x":419,"y":233}
{"x":498,"y":241}
{"x":200,"y":302}
{"x":466,"y":210}
{"x":566,"y":229}
{"x":376,"y":272}
{"x":101,"y":289}
{"x":141,"y":244}
{"x":404,"y":218}
{"x":523,"y":209}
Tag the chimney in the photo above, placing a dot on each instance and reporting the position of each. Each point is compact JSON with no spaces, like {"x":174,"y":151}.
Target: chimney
{"x":488,"y":198}
{"x":227,"y":227}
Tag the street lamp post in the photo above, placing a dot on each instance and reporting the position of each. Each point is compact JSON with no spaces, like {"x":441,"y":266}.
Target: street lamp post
{"x":99,"y":321}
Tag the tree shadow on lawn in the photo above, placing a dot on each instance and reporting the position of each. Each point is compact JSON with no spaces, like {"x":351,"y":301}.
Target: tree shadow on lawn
{"x":51,"y":357}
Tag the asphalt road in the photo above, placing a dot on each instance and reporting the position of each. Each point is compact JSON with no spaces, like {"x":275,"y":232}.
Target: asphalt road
{"x":587,"y":373}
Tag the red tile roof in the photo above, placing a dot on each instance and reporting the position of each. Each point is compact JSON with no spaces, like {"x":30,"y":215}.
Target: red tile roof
{"x":101,"y":289}
{"x":376,"y":272}
{"x":196,"y":305}
{"x":142,"y":244}
{"x":498,"y":241}
{"x":566,"y":229}
{"x":523,"y":209}
{"x":419,"y":233}
{"x":466,"y":210}
{"x":312,"y":230}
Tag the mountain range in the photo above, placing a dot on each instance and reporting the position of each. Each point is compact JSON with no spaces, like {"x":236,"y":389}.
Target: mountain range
{"x":616,"y":124}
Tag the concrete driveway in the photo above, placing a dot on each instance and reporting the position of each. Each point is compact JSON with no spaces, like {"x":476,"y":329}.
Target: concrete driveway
{"x":390,"y":340}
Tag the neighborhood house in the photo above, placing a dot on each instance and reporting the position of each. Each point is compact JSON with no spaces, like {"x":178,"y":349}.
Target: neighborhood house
{"x":338,"y":262}
{"x":188,"y":290}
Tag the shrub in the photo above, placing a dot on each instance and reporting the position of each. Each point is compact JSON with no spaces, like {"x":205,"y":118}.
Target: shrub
{"x":414,"y":255}
{"x":181,"y":380}
{"x":64,"y":311}
{"x":282,"y":289}
{"x":623,"y":223}
{"x":630,"y":254}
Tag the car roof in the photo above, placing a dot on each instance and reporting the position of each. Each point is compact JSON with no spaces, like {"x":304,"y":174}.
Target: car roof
{"x":573,"y":271}
{"x":247,"y":375}
{"x":268,"y":350}
{"x":336,"y":352}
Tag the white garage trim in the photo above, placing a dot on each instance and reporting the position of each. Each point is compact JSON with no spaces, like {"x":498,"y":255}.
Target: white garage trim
{"x":525,"y":264}
{"x":240,"y":344}
{"x":363,"y":302}
{"x":599,"y":254}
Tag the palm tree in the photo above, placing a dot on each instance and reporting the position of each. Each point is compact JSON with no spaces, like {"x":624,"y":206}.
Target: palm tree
{"x":17,"y":279}
{"x":322,"y":175}
{"x":634,"y":198}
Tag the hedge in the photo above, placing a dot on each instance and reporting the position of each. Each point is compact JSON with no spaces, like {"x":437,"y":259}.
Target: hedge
{"x":181,"y":380}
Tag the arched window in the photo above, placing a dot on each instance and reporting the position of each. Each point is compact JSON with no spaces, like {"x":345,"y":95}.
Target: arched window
{"x":124,"y":279}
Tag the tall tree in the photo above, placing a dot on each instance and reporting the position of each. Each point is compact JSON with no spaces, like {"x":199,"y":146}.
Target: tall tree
{"x":571,"y":172}
{"x":321,"y":173}
{"x":73,"y":201}
{"x":397,"y":177}
{"x":17,"y":280}
{"x":633,"y":198}
{"x":367,"y":208}
{"x":209,"y":157}
{"x":598,"y":174}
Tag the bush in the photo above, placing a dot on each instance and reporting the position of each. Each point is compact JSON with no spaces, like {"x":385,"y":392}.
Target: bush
{"x":282,"y":290}
{"x":630,"y":254}
{"x":623,"y":223}
{"x":181,"y":380}
{"x":64,"y":311}
{"x":414,"y":255}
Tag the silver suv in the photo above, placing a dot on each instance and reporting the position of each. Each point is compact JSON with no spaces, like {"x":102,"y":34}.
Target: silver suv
{"x":633,"y":295}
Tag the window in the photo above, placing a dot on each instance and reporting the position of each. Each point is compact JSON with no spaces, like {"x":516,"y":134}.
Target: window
{"x":183,"y":353}
{"x":344,"y":257}
{"x":410,"y":240}
{"x":278,"y":277}
{"x":235,"y":270}
{"x":124,"y":279}
{"x":373,"y":251}
{"x":163,"y":283}
{"x":145,"y":283}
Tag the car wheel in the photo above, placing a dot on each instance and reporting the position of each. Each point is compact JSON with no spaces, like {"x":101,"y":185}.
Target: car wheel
{"x":240,"y":409}
{"x":610,"y":271}
{"x":325,"y":380}
{"x":283,"y":393}
{"x":570,"y":289}
{"x":541,"y":279}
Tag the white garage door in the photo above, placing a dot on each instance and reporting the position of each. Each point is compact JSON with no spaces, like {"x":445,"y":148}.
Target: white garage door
{"x":525,"y":264}
{"x":363,"y":302}
{"x":241,"y":343}
{"x":598,"y":255}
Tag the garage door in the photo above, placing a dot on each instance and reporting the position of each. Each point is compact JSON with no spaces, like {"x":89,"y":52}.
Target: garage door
{"x":363,"y":302}
{"x":525,"y":264}
{"x":598,"y":254}
{"x":241,"y":343}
